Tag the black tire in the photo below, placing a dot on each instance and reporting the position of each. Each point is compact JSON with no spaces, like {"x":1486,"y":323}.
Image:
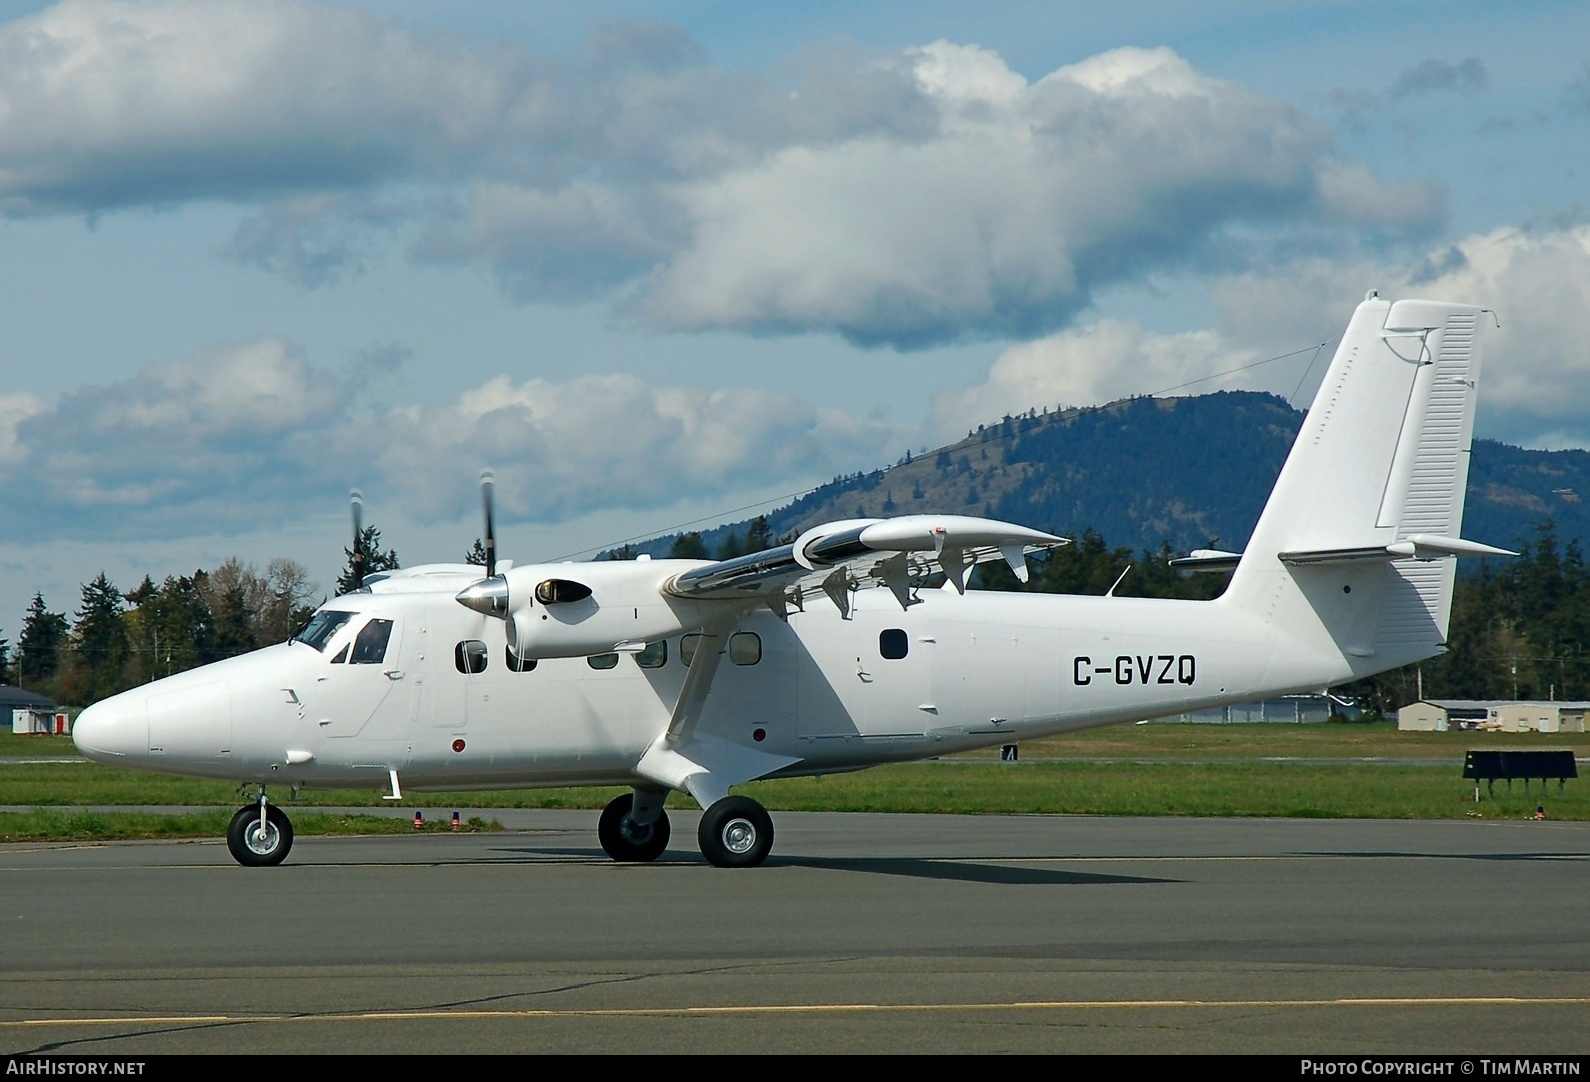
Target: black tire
{"x":629,"y":842}
{"x":736,"y":832}
{"x":252,"y":850}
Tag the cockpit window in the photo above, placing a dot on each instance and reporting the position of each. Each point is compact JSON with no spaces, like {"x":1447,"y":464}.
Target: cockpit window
{"x":321,"y":627}
{"x":370,"y":647}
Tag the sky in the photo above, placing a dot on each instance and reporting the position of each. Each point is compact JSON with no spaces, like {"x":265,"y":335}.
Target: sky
{"x":656,"y":264}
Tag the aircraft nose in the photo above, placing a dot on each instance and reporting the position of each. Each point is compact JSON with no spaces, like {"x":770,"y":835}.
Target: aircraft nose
{"x":113,"y":729}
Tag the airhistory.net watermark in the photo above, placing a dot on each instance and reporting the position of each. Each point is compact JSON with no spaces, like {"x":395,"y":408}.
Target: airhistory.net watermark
{"x":39,"y":1066}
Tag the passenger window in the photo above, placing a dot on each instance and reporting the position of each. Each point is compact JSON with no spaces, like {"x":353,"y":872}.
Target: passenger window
{"x":342,"y":655}
{"x":517,"y":663}
{"x":654,"y":656}
{"x":602,"y":661}
{"x":893,"y":644}
{"x":745,"y":648}
{"x":470,"y":656}
{"x":370,"y":647}
{"x":687,"y":646}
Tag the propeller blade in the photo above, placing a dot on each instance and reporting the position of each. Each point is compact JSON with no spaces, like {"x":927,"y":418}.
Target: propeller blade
{"x":488,"y":484}
{"x":356,"y":502}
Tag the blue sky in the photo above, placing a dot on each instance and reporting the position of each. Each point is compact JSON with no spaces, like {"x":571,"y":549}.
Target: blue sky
{"x":657,"y":262}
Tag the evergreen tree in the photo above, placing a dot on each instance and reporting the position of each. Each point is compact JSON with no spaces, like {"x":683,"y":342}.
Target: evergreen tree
{"x":100,"y":645}
{"x":39,"y":644}
{"x":5,"y":660}
{"x":732,"y":546}
{"x":170,"y":627}
{"x":230,"y":613}
{"x":688,"y":546}
{"x":476,"y":554}
{"x":365,"y":558}
{"x":760,"y":535}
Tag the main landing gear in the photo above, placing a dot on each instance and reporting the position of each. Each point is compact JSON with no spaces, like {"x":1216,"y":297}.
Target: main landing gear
{"x":260,"y":835}
{"x":735,"y":832}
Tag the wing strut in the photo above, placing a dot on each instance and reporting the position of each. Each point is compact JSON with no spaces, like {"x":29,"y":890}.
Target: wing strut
{"x":698,"y":679}
{"x":704,"y":764}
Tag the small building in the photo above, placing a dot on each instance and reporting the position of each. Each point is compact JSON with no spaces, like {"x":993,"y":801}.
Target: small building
{"x":31,"y":712}
{"x":1493,"y":715}
{"x":1288,"y":709}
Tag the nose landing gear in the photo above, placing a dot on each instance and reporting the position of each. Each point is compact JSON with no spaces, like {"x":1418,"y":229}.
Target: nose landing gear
{"x":260,"y":834}
{"x":634,"y":827}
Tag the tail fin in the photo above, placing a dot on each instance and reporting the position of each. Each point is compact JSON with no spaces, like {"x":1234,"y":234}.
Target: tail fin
{"x":1353,"y":554}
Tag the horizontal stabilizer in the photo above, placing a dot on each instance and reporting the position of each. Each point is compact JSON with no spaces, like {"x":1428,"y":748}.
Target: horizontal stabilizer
{"x":1420,"y":546}
{"x":1424,"y":546}
{"x":1207,"y":560}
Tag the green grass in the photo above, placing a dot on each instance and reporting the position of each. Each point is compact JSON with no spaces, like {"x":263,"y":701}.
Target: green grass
{"x":1336,"y":740}
{"x":1234,"y":770}
{"x":35,"y":744}
{"x":1258,"y":789}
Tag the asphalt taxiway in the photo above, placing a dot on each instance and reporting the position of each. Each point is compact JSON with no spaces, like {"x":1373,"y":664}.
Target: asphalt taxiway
{"x":862,"y":933}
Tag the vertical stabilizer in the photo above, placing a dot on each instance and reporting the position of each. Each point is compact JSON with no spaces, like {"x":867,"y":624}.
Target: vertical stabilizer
{"x":1355,"y":551}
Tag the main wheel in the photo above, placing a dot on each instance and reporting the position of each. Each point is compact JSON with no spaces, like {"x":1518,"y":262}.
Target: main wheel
{"x":628,"y":841}
{"x":736,"y":832}
{"x":255,"y":848}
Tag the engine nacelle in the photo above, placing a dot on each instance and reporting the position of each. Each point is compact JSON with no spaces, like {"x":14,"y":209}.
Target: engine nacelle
{"x":576,"y":610}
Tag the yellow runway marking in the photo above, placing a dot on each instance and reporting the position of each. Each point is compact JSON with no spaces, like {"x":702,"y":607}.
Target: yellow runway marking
{"x":825,"y":1008}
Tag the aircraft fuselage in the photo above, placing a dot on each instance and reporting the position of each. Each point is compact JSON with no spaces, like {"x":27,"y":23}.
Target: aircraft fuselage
{"x":949,"y":673}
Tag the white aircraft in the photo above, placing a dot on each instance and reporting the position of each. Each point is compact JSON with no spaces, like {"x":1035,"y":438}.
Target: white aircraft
{"x":839,"y":651}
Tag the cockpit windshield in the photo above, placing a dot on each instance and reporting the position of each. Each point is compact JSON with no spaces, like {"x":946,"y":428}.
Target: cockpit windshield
{"x":321,"y":627}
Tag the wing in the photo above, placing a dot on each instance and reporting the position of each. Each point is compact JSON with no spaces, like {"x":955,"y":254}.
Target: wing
{"x":839,"y":558}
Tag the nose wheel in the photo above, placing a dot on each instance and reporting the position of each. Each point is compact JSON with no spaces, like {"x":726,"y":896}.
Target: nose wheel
{"x":628,"y":840}
{"x":260,"y":835}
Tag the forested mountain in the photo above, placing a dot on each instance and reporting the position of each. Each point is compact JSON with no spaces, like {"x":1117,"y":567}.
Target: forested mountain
{"x":1145,"y":471}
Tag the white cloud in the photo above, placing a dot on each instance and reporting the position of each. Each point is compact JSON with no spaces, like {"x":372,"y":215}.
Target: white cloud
{"x":106,"y":104}
{"x":602,"y":441}
{"x":243,"y":436}
{"x":1537,"y":373}
{"x":1537,"y":369}
{"x":578,"y":241}
{"x":14,"y":409}
{"x":929,"y":196}
{"x":1023,"y":202}
{"x":1098,"y":362}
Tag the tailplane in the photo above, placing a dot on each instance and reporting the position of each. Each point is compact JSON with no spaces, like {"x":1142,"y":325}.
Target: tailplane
{"x":1354,"y":554}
